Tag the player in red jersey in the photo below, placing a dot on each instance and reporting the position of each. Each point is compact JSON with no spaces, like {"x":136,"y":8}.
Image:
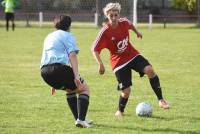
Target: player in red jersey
{"x":123,"y":56}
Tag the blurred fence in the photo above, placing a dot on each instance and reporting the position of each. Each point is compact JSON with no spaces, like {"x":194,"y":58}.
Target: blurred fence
{"x":84,"y":10}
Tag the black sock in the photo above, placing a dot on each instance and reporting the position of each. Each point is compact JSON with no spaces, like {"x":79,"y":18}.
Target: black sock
{"x":155,"y":84}
{"x":72,"y":102}
{"x":83,"y":102}
{"x":7,"y":25}
{"x":13,"y":26}
{"x":122,"y":103}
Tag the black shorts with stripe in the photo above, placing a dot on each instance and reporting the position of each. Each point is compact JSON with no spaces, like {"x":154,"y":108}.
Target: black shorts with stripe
{"x":59,"y":76}
{"x":124,"y":75}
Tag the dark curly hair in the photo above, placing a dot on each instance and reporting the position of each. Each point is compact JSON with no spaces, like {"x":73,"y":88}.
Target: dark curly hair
{"x":62,"y":22}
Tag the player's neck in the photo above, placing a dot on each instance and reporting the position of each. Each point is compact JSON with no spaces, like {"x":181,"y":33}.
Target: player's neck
{"x":114,"y":25}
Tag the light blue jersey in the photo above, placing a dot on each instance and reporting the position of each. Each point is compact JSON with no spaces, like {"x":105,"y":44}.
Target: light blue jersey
{"x":57,"y":47}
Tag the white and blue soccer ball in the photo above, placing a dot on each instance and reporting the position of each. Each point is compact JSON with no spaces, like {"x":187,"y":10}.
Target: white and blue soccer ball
{"x":144,"y":109}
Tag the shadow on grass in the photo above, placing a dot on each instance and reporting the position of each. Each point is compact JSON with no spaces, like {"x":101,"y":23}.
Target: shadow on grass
{"x":197,"y":119}
{"x":169,"y":130}
{"x":159,"y":117}
{"x":160,"y":130}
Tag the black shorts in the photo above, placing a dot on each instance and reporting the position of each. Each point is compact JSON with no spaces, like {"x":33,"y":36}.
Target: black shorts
{"x":59,"y":76}
{"x":124,"y":75}
{"x":9,"y":16}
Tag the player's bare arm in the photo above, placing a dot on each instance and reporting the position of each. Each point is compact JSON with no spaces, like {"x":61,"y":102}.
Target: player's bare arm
{"x":99,"y":61}
{"x":74,"y":64}
{"x":139,"y":35}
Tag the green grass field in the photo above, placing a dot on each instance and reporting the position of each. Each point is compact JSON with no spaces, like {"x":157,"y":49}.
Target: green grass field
{"x":26,"y":105}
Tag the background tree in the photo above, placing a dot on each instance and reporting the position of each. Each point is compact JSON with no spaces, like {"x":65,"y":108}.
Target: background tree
{"x":189,"y":5}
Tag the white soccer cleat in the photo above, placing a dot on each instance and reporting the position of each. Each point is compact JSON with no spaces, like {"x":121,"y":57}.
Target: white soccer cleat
{"x":82,"y":124}
{"x":89,"y":121}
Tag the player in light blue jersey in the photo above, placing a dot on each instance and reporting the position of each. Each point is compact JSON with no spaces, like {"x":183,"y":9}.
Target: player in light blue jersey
{"x":59,"y":69}
{"x":57,"y":46}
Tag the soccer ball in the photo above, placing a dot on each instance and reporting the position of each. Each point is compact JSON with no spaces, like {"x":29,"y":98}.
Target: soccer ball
{"x":144,"y":109}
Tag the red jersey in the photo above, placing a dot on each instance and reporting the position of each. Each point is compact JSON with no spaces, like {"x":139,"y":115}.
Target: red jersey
{"x":116,"y":40}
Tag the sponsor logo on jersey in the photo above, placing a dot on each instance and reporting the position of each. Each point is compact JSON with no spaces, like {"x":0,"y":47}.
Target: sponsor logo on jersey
{"x":113,"y":38}
{"x":122,"y":45}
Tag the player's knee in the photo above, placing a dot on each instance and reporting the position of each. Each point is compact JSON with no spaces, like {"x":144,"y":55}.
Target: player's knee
{"x":85,"y":90}
{"x":148,"y":70}
{"x":126,"y":93}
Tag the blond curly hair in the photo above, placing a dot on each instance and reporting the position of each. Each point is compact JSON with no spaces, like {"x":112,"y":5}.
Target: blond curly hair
{"x":111,"y":6}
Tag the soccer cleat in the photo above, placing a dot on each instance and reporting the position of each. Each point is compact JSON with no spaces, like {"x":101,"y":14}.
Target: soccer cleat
{"x":89,"y":121}
{"x":163,"y":104}
{"x":82,"y":124}
{"x":119,"y":114}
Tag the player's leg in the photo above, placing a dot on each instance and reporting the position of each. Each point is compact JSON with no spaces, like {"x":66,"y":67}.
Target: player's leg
{"x":78,"y":106}
{"x":154,"y":81}
{"x":7,"y":21}
{"x":123,"y":99}
{"x":124,"y":82}
{"x":83,"y":103}
{"x":71,"y":98}
{"x":13,"y":22}
{"x":67,"y":76}
{"x":61,"y":77}
{"x":155,"y":84}
{"x":143,"y":66}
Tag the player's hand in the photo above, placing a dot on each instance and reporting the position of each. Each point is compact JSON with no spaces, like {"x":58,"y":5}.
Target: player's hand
{"x":78,"y":83}
{"x":101,"y":69}
{"x":53,"y":91}
{"x":139,"y":35}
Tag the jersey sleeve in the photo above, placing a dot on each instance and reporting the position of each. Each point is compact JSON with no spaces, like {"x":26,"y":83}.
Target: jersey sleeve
{"x":100,"y":42}
{"x":71,"y":45}
{"x":128,"y":23}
